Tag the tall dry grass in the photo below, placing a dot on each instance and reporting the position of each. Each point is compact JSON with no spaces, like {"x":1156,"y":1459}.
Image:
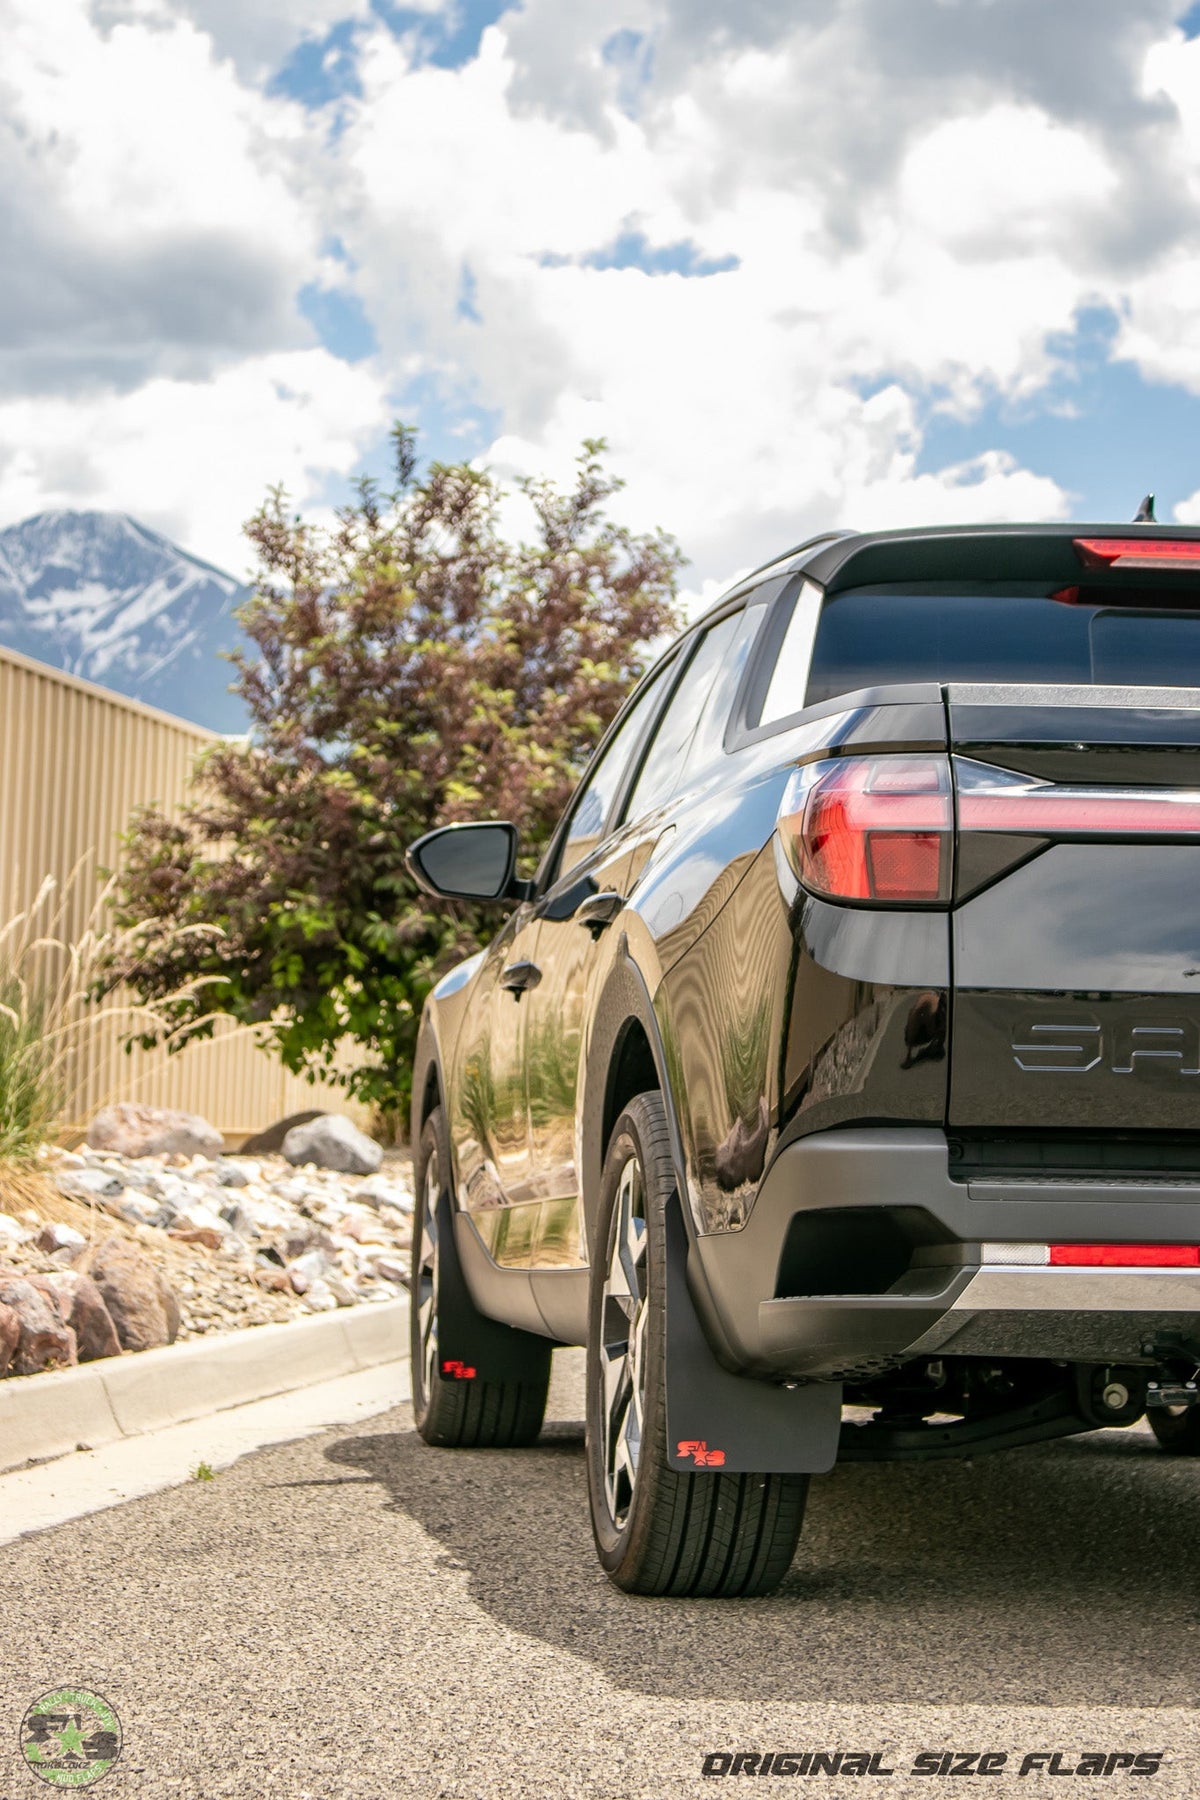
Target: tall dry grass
{"x":50,"y":1012}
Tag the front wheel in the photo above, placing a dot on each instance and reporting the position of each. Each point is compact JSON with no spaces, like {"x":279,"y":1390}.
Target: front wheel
{"x":659,"y":1531}
{"x":455,"y":1405}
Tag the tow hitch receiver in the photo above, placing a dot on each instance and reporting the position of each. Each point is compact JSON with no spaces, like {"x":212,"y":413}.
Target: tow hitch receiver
{"x":1172,"y":1393}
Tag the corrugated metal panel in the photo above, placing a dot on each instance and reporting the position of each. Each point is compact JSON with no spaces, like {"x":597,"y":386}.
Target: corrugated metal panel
{"x":75,"y":760}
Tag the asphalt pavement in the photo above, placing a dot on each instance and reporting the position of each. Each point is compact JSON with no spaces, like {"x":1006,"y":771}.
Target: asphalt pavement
{"x":356,"y":1615}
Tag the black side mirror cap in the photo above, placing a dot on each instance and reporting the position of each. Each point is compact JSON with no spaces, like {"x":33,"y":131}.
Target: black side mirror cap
{"x":468,"y":862}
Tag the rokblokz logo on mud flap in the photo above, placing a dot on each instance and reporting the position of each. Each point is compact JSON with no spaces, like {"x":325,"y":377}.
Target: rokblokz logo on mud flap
{"x":70,"y":1737}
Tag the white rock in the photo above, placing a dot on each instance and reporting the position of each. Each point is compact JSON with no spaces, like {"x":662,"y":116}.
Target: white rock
{"x":193,"y":1215}
{"x":54,"y":1237}
{"x":89,"y":1184}
{"x":385,"y":1190}
{"x":136,"y":1130}
{"x":319,"y":1298}
{"x":12,"y":1231}
{"x":311,"y":1266}
{"x":333,"y":1142}
{"x":390,"y":1268}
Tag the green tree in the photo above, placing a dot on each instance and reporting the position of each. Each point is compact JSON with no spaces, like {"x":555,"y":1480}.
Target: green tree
{"x":412,"y":665}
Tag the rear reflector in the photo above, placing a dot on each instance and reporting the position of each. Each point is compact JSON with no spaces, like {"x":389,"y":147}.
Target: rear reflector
{"x":1125,"y":1256}
{"x":876,"y":829}
{"x":1091,"y":1256}
{"x":1001,"y":800}
{"x":1137,"y":553}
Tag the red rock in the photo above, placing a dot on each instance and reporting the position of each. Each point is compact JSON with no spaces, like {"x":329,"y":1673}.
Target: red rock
{"x":10,"y":1337}
{"x":197,"y":1234}
{"x":140,"y":1300}
{"x":86,"y":1314}
{"x":43,"y":1340}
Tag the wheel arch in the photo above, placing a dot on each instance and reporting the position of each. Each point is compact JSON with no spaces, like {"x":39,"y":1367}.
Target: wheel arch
{"x":428,"y":1091}
{"x":626,"y":1056}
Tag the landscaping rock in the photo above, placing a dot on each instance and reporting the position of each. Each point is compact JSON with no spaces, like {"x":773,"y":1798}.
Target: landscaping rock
{"x":131,"y":1129}
{"x":142,"y":1303}
{"x":11,"y":1230}
{"x":229,"y":1175}
{"x":10,"y":1337}
{"x":89,"y":1184}
{"x":270,"y":1141}
{"x":43,"y":1340}
{"x":319,"y":1298}
{"x":333,"y":1142}
{"x":385,"y":1190}
{"x":89,"y":1318}
{"x":55,"y":1237}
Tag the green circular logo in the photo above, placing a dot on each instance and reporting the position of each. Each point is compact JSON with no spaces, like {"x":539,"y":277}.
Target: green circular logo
{"x":71,"y":1737}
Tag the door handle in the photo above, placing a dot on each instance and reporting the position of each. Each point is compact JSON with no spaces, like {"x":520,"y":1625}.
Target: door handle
{"x":598,"y":911}
{"x":519,"y":976}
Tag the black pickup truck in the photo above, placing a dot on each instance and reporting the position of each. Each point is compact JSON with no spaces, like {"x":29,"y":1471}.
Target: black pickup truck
{"x":836,"y":1080}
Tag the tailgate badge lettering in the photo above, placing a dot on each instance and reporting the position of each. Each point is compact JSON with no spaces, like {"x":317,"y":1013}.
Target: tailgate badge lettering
{"x":1042,"y":1048}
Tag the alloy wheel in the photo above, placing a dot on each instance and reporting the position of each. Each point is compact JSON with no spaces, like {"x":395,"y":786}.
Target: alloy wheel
{"x":624,"y":1318}
{"x":426,"y":1282}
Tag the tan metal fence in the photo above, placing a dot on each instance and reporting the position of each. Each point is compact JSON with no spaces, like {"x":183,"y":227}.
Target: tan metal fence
{"x":75,"y":760}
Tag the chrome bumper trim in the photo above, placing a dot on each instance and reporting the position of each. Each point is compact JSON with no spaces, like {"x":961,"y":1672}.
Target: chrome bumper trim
{"x":1067,"y":1290}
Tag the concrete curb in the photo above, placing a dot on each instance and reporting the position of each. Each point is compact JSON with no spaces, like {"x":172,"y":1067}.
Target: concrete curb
{"x":122,"y":1396}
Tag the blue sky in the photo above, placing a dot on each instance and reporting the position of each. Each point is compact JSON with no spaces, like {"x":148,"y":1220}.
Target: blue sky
{"x":851,"y":264}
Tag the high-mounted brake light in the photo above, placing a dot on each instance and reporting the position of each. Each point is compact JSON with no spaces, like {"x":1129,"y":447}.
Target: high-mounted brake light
{"x":1137,"y":553}
{"x":876,"y":829}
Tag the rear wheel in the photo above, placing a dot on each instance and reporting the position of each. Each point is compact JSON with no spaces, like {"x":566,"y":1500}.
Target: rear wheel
{"x":1177,"y":1428}
{"x":465,"y":1411}
{"x":659,"y":1531}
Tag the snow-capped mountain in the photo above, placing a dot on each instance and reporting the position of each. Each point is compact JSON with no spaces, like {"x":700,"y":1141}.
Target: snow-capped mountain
{"x":99,"y":595}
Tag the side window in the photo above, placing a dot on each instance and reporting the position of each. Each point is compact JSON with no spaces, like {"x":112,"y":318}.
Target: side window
{"x":787,"y":688}
{"x":593,"y":803}
{"x":663,"y":768}
{"x":709,"y":735}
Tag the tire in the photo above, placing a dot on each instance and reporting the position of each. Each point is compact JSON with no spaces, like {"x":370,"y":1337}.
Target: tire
{"x":1176,"y":1428}
{"x":459,"y":1414}
{"x":659,"y":1531}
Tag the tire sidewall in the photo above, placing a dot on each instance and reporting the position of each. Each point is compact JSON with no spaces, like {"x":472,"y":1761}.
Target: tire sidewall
{"x":613,"y":1543}
{"x":433,"y":1141}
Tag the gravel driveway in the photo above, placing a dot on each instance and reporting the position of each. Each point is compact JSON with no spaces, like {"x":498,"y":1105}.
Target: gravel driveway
{"x":360,"y":1615}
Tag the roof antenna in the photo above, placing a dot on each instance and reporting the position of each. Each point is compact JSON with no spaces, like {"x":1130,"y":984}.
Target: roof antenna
{"x":1145,"y":512}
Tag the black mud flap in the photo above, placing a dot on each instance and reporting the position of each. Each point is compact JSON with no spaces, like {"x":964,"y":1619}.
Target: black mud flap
{"x":716,"y":1420}
{"x":472,"y":1347}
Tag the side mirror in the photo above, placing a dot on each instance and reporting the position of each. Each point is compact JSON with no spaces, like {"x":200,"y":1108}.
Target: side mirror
{"x":467,"y":862}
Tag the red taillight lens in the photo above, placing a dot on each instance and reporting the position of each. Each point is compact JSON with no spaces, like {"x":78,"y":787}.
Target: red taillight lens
{"x":1125,"y":1256}
{"x":872,"y":829}
{"x":1137,"y":553}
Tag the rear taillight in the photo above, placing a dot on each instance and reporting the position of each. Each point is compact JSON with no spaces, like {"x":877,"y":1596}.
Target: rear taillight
{"x":992,"y":799}
{"x":1137,"y":553}
{"x":1124,"y":1256}
{"x":877,"y":829}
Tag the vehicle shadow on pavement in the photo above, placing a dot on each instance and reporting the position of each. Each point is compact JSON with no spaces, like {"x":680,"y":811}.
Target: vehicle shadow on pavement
{"x":1059,"y":1574}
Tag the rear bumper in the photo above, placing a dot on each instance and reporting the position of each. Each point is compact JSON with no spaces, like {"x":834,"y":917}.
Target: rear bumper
{"x":968,"y":1289}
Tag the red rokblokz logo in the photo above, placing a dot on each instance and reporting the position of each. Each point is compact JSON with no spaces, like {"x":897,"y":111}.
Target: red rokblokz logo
{"x":701,"y":1455}
{"x":458,"y":1371}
